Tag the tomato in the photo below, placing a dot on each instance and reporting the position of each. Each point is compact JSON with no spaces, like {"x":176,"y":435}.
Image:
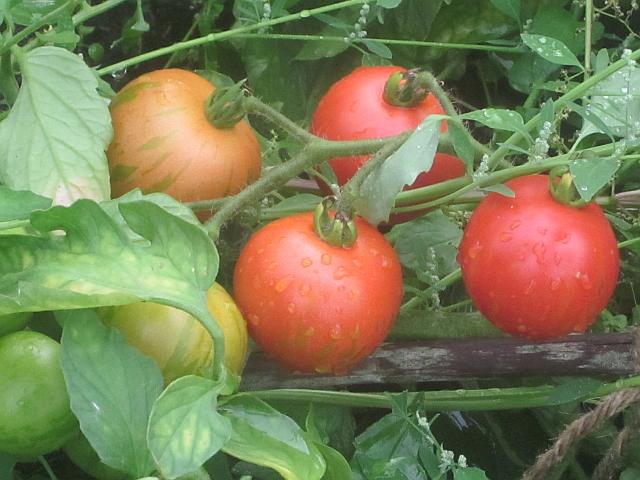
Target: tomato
{"x":35,"y":415}
{"x":177,"y":342}
{"x":312,"y":306}
{"x":354,"y":109}
{"x":536,"y":267}
{"x":163,"y":142}
{"x":13,"y":322}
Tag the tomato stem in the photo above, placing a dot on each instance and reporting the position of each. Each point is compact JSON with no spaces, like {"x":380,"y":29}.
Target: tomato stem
{"x":338,"y":230}
{"x":224,"y":108}
{"x":563,"y":189}
{"x":253,"y":106}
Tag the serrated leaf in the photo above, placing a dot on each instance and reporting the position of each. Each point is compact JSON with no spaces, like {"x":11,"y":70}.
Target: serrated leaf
{"x":500,"y":188}
{"x":100,"y":369}
{"x":378,"y":48}
{"x":18,"y":205}
{"x":264,"y":436}
{"x":551,"y":49}
{"x":499,"y":119}
{"x":510,"y":8}
{"x":461,"y":143}
{"x":184,"y":429}
{"x":54,"y":139}
{"x":572,"y":390}
{"x":469,"y":473}
{"x":591,"y":174}
{"x":378,"y":191}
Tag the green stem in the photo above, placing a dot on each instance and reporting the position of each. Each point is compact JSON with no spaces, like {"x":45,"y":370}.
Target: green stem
{"x":255,"y":107}
{"x":10,"y":225}
{"x":571,"y":95}
{"x":443,"y":400}
{"x":34,"y":27}
{"x":532,"y":98}
{"x":47,"y":467}
{"x":186,"y":37}
{"x":91,"y":11}
{"x":386,"y":41}
{"x":441,"y":284}
{"x":588,"y":37}
{"x":628,"y":243}
{"x":315,"y":152}
{"x":215,"y":37}
{"x":8,"y":83}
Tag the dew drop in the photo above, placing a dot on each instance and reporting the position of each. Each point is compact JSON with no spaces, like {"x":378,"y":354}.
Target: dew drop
{"x":515,"y":224}
{"x":283,"y":283}
{"x":556,"y":283}
{"x":336,"y":332}
{"x":543,"y":40}
{"x":306,"y":262}
{"x":386,"y":263}
{"x":340,"y":273}
{"x":357,"y":263}
{"x":353,"y":294}
{"x":373,"y":251}
{"x":506,"y":237}
{"x":304,"y":289}
{"x":557,"y":258}
{"x":530,"y":287}
{"x":539,"y":250}
{"x":309,"y":332}
{"x":325,"y":259}
{"x":474,"y":250}
{"x":585,"y":281}
{"x":254,"y":319}
{"x":522,"y":328}
{"x":291,"y":308}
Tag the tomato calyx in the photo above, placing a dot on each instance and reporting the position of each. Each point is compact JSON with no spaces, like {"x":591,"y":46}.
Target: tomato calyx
{"x":563,"y":189}
{"x":338,"y":230}
{"x":225,"y":106}
{"x":405,"y":89}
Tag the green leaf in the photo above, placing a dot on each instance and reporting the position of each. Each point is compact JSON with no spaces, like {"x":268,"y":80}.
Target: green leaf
{"x":18,"y":205}
{"x":430,"y":461}
{"x":332,"y":424}
{"x":572,"y":390}
{"x":499,"y":119}
{"x":630,"y":474}
{"x":500,"y":188}
{"x":550,"y":49}
{"x":53,"y":141}
{"x":378,"y":191}
{"x":112,"y":387}
{"x":461,"y":143}
{"x":378,"y":48}
{"x":388,"y":3}
{"x":337,"y":467}
{"x":547,"y":113}
{"x":412,"y":241}
{"x":469,"y":473}
{"x":184,"y":429}
{"x":264,"y":436}
{"x":58,"y":38}
{"x":602,"y":60}
{"x":324,"y":49}
{"x":510,"y":8}
{"x":593,"y":123}
{"x":296,"y":203}
{"x":24,"y":12}
{"x":6,"y":466}
{"x":591,"y":174}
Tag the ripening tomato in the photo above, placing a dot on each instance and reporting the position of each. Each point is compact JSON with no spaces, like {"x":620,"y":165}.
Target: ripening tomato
{"x":175,"y":340}
{"x":354,"y":108}
{"x":313,"y":306}
{"x":536,"y":267}
{"x":35,"y":413}
{"x":163,"y":141}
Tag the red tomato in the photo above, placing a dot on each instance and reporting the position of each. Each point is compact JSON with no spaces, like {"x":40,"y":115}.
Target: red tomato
{"x":535,"y":267}
{"x":354,"y":109}
{"x":163,"y":141}
{"x":312,"y":306}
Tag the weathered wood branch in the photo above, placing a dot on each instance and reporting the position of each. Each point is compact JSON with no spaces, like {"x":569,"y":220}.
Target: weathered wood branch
{"x":407,"y":362}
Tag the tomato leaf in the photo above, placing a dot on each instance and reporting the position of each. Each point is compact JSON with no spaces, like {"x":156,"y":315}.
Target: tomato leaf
{"x":509,"y":7}
{"x":337,"y":467}
{"x":378,"y":48}
{"x":462,"y":144}
{"x":500,"y":188}
{"x":469,"y":473}
{"x":184,"y":429}
{"x":18,"y":205}
{"x":378,"y":191}
{"x":264,"y":436}
{"x":551,"y":49}
{"x":332,"y":424}
{"x":572,"y":390}
{"x":54,"y":139}
{"x":100,"y":369}
{"x":591,"y":174}
{"x":499,"y":119}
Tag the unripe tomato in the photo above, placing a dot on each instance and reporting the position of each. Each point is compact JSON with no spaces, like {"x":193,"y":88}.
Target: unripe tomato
{"x":314,"y":307}
{"x":13,"y":322}
{"x":536,"y":267}
{"x":175,"y":340}
{"x":163,"y":142}
{"x":35,"y":415}
{"x":354,"y":108}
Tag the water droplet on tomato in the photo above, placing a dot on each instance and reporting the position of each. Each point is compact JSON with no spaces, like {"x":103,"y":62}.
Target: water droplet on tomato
{"x":304,"y":289}
{"x":539,"y":250}
{"x":386,"y":263}
{"x":474,"y":250}
{"x":515,"y":224}
{"x":340,"y":273}
{"x":254,"y":319}
{"x":530,"y":287}
{"x":556,"y":283}
{"x":283,"y":283}
{"x":506,"y":237}
{"x":522,"y":328}
{"x":373,"y":251}
{"x":585,"y":281}
{"x":291,"y":308}
{"x":325,"y":259}
{"x":309,"y":332}
{"x":353,"y":294}
{"x":306,"y":262}
{"x":564,"y":238}
{"x":542,"y":230}
{"x":557,"y":258}
{"x":336,"y":332}
{"x":356,"y":263}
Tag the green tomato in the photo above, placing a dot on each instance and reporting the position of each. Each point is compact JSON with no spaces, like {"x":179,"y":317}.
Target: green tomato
{"x":35,"y":416}
{"x":13,"y":322}
{"x":175,"y":340}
